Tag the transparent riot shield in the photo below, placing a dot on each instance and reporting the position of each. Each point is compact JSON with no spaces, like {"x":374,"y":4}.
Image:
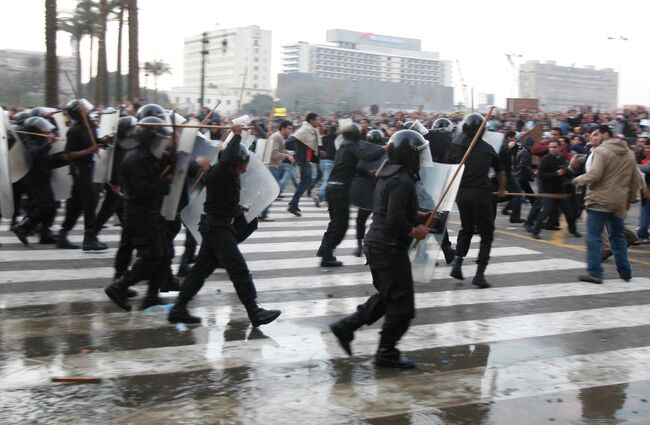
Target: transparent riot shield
{"x":6,"y":189}
{"x":104,"y":157}
{"x":61,"y":180}
{"x":183,"y":158}
{"x":19,"y":160}
{"x":434,"y":178}
{"x":494,"y":139}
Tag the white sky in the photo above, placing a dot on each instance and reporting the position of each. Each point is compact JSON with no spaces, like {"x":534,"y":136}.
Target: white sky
{"x":478,"y":34}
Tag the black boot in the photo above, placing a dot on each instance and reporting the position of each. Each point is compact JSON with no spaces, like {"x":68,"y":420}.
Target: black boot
{"x":358,"y":252}
{"x":344,"y":329}
{"x":47,"y":237}
{"x":173,"y":284}
{"x":91,"y":243}
{"x":118,"y":292}
{"x":449,"y":253}
{"x":63,"y":242}
{"x":389,"y":356}
{"x":22,"y":230}
{"x":150,"y":301}
{"x":330,"y":261}
{"x":456,"y":268}
{"x":259,"y":316}
{"x":129,"y":292}
{"x":479,"y":277}
{"x":180,"y":314}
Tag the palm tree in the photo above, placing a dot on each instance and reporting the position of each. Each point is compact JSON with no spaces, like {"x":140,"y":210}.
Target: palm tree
{"x":156,"y":69}
{"x":87,"y":12}
{"x":77,"y":30}
{"x":51,"y":60}
{"x":134,"y":64}
{"x":101,"y":82}
{"x":118,"y":6}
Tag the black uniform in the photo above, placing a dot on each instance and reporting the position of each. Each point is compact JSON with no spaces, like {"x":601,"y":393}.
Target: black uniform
{"x":475,"y":194}
{"x":551,"y":182}
{"x":84,"y":194}
{"x":338,"y":186}
{"x":144,"y":190}
{"x":220,"y":234}
{"x":386,"y":249}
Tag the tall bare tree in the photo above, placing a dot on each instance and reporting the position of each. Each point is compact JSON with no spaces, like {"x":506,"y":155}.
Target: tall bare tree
{"x":101,"y":82}
{"x":51,"y":60}
{"x":134,"y":62}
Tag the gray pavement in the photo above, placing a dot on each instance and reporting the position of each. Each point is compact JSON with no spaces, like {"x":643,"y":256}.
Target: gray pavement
{"x":538,"y":347}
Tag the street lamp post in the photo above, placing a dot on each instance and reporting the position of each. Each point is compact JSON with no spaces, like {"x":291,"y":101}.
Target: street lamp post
{"x":619,"y":99}
{"x":204,"y":52}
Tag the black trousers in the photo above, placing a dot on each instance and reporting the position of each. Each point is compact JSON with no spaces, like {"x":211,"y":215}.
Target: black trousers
{"x":362,"y":217}
{"x":106,"y":211}
{"x":44,"y":206}
{"x":476,"y":212}
{"x":170,"y":230}
{"x":83,"y":198}
{"x":549,"y":207}
{"x":395,"y":298}
{"x":145,"y":234}
{"x":339,"y":211}
{"x":219,"y":249}
{"x":190,"y":247}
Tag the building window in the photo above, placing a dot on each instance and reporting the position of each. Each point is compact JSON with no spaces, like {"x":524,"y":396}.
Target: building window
{"x":254,"y":86}
{"x":228,"y":102}
{"x":178,"y":99}
{"x":256,"y":59}
{"x":256,"y":42}
{"x":187,"y":100}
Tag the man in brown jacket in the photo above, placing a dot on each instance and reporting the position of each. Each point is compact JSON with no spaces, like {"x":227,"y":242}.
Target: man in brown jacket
{"x":278,"y":154}
{"x":612,"y":182}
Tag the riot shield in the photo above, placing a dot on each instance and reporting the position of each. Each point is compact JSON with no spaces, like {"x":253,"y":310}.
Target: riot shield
{"x":258,"y":189}
{"x":434,"y":178}
{"x":363,"y":187}
{"x":104,"y":157}
{"x":494,"y":139}
{"x":19,"y":160}
{"x":183,"y":158}
{"x":61,"y":180}
{"x":6,"y":189}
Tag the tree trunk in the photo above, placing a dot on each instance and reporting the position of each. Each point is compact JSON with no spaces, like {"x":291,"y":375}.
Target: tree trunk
{"x":118,"y":81}
{"x":51,"y":60}
{"x":77,"y":93}
{"x":134,"y":62}
{"x":101,"y":82}
{"x":90,"y":66}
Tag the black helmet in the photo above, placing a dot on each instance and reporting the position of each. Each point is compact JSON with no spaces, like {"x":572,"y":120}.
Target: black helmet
{"x":20,"y":117}
{"x":243,"y":156}
{"x":404,"y":148}
{"x":351,"y":132}
{"x":147,"y":134}
{"x":442,"y":124}
{"x":41,"y":111}
{"x":38,"y":125}
{"x":151,"y":110}
{"x":375,"y":136}
{"x":74,"y":109}
{"x":407,"y":125}
{"x":125,"y":125}
{"x":471,"y":124}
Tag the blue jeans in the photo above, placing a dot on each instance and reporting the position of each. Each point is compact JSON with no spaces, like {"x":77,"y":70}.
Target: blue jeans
{"x":596,"y":221}
{"x":277,"y":173}
{"x":288,"y":171}
{"x":644,"y":220}
{"x":325,"y":166}
{"x":305,"y":183}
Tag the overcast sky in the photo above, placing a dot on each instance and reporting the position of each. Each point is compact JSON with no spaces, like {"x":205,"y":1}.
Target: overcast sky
{"x":477,"y":34}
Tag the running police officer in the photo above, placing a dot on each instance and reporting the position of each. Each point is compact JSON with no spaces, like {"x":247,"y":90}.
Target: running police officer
{"x":474,"y":196}
{"x":394,"y":226}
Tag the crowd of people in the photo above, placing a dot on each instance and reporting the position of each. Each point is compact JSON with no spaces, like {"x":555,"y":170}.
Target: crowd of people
{"x":577,"y":161}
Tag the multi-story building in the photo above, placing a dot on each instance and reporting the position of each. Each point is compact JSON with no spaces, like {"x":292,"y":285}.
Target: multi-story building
{"x":389,"y":71}
{"x":560,"y":88}
{"x":22,"y":78}
{"x":235,"y":58}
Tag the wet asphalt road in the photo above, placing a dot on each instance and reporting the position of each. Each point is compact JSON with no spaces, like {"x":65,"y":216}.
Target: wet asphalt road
{"x":538,"y":347}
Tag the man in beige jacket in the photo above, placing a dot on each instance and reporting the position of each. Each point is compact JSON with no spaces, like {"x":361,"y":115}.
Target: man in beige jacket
{"x":278,"y":155}
{"x":612,"y":184}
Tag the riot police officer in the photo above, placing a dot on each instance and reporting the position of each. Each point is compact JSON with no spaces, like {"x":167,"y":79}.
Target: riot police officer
{"x":350,"y":151}
{"x":474,"y":196}
{"x":394,"y":226}
{"x":79,"y":150}
{"x":37,"y":181}
{"x":144,"y":189}
{"x":223,"y":226}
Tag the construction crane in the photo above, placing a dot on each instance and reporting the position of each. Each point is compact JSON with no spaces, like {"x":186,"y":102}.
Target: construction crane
{"x":462,"y":83}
